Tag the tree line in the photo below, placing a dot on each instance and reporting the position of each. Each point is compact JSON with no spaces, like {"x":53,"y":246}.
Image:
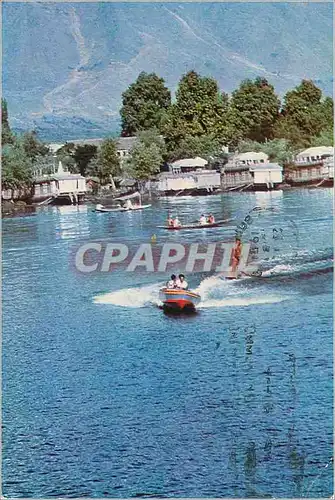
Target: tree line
{"x":202,"y":118}
{"x":197,"y":122}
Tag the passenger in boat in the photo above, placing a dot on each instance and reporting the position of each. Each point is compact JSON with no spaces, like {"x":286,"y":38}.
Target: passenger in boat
{"x":128,"y":205}
{"x":170,"y":221}
{"x":176,"y":222}
{"x":98,"y":206}
{"x":172,"y":282}
{"x":202,"y":220}
{"x":211,"y":219}
{"x":181,"y":282}
{"x":236,"y":254}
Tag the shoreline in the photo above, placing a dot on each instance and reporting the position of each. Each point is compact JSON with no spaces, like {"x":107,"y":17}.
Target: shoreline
{"x":17,"y":208}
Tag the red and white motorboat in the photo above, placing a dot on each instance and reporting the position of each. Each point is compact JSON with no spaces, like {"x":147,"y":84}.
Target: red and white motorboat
{"x":177,"y":299}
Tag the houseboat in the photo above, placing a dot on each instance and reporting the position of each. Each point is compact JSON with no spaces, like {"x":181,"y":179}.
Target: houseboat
{"x":59,"y":188}
{"x":313,"y":166}
{"x":251,"y":171}
{"x":189,"y":176}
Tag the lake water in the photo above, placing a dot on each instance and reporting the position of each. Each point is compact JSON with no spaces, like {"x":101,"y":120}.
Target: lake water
{"x":105,"y":396}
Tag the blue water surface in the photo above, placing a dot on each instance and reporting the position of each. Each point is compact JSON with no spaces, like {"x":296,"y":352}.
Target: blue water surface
{"x":106,"y":396}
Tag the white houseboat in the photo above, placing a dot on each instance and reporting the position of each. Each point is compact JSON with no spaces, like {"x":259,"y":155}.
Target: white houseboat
{"x":61,"y":187}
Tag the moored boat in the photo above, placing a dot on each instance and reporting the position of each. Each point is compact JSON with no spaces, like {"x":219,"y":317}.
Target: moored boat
{"x":127,"y":207}
{"x":181,"y":300}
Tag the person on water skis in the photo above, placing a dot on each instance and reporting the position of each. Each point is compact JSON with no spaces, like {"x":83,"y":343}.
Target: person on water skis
{"x":236,"y":255}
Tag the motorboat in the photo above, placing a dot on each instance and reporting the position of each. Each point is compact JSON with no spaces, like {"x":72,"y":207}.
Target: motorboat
{"x":179,"y":300}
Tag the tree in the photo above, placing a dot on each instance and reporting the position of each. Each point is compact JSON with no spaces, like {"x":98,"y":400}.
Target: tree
{"x":16,"y":166}
{"x":326,"y":138}
{"x":152,"y":136}
{"x":106,"y":164}
{"x":199,"y":110}
{"x":82,"y":156}
{"x":253,"y":111}
{"x":66,"y":154}
{"x":145,"y":160}
{"x":305,"y":114}
{"x":190,"y":146}
{"x":7,"y":136}
{"x":109,"y":161}
{"x":144,"y":104}
{"x":33,"y":146}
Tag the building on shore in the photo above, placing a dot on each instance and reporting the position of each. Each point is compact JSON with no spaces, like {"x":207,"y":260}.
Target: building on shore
{"x":251,"y":171}
{"x":312,"y":166}
{"x":188,"y":176}
{"x":60,"y":187}
{"x":123,"y":144}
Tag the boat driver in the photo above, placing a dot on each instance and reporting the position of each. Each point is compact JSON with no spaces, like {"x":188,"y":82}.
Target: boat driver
{"x":172,"y":282}
{"x":181,"y":282}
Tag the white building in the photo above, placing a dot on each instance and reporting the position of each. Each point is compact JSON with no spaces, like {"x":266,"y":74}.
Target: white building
{"x":314,"y":155}
{"x":187,"y":165}
{"x":328,"y":167}
{"x":61,"y":185}
{"x":189,"y":175}
{"x":249,"y":158}
{"x":267,"y":175}
{"x":207,"y":180}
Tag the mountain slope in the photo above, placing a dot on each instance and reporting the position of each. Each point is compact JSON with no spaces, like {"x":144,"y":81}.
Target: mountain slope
{"x":69,"y":63}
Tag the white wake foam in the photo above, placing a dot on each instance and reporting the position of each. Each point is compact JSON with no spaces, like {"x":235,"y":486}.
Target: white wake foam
{"x":131,"y":297}
{"x":214,"y":292}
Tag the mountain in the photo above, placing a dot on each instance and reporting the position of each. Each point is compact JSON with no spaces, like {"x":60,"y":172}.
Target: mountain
{"x":65,"y":65}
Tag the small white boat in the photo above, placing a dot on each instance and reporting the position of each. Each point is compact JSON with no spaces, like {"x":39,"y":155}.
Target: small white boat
{"x":127,"y":207}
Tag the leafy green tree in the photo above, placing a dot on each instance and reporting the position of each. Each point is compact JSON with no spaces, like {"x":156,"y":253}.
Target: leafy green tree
{"x":190,"y":146}
{"x":66,"y":154}
{"x":109,"y":161}
{"x":7,"y":136}
{"x":106,"y":165}
{"x":152,"y":136}
{"x":144,"y":161}
{"x":199,"y":110}
{"x":144,"y":104}
{"x":16,"y":166}
{"x":305,"y":114}
{"x":253,"y":111}
{"x":83,"y":155}
{"x":326,"y":138}
{"x":33,"y":146}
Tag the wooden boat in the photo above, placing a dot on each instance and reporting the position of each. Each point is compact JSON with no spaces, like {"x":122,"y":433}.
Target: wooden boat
{"x":177,"y":299}
{"x":196,"y":226}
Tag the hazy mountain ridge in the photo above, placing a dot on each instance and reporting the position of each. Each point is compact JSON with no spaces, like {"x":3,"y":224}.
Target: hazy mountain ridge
{"x":75,"y":60}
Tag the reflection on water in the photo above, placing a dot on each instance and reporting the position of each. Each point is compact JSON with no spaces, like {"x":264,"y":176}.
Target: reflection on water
{"x":105,"y":396}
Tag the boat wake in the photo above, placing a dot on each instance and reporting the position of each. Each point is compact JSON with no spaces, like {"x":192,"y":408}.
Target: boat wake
{"x":274,"y":286}
{"x":217,"y":292}
{"x":214,"y":292}
{"x":131,"y":297}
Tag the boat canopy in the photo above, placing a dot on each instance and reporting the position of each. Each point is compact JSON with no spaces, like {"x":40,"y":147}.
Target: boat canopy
{"x":129,"y":196}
